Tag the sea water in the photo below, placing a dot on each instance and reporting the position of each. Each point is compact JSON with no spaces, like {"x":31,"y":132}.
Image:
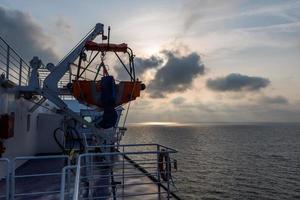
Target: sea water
{"x":230,"y":161}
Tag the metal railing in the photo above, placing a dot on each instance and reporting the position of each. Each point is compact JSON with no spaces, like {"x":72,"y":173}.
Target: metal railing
{"x":37,"y":180}
{"x":4,"y":178}
{"x":67,"y":182}
{"x":12,"y":65}
{"x":67,"y":78}
{"x":131,"y":171}
{"x":62,"y":84}
{"x":15,"y":69}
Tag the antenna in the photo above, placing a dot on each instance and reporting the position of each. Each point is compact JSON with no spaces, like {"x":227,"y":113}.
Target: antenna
{"x":108,"y":35}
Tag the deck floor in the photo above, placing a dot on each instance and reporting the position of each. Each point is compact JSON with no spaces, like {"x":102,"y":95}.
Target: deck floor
{"x":26,"y":186}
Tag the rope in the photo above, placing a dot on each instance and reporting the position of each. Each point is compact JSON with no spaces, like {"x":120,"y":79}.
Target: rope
{"x":128,"y":107}
{"x":124,"y":65}
{"x":89,"y":70}
{"x":101,"y":65}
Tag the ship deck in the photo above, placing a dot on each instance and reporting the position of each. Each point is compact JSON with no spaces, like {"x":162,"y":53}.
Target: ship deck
{"x":40,"y":179}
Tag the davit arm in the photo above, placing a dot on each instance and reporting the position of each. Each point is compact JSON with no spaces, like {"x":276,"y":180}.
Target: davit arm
{"x":50,"y":89}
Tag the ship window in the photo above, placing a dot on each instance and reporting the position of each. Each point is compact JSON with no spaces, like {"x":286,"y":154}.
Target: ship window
{"x":88,"y":119}
{"x":28,"y":123}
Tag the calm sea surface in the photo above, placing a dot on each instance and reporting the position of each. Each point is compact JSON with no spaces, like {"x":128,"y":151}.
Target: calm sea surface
{"x":230,"y":161}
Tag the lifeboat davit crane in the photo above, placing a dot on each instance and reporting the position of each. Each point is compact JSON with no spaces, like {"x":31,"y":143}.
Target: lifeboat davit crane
{"x":90,"y":92}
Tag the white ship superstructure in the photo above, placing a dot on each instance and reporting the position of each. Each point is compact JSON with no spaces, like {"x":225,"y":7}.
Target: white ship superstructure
{"x":49,"y":150}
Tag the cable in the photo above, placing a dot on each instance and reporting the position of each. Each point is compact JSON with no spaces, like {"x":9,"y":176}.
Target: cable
{"x":78,"y":139}
{"x":125,"y":118}
{"x":57,"y":141}
{"x":72,"y":136}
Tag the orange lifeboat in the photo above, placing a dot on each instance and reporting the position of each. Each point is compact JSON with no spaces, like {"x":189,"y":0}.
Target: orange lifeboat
{"x":89,"y":92}
{"x":104,"y":47}
{"x":105,"y":92}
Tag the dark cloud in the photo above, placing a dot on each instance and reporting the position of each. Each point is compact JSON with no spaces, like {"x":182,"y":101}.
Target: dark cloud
{"x":176,"y":75}
{"x":237,"y":82}
{"x":273,"y":100}
{"x":141,"y":65}
{"x":27,"y":37}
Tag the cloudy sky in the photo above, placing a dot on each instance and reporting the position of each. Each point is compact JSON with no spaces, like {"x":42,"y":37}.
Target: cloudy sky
{"x":202,"y":60}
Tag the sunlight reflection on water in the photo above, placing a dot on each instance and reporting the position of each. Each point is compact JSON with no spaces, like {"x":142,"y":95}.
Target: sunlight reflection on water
{"x":226,"y":161}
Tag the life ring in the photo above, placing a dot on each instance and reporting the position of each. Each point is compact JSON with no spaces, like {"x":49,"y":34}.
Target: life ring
{"x":164,"y":165}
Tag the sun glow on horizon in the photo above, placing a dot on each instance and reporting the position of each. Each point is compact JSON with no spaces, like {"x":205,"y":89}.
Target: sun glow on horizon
{"x":158,"y":123}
